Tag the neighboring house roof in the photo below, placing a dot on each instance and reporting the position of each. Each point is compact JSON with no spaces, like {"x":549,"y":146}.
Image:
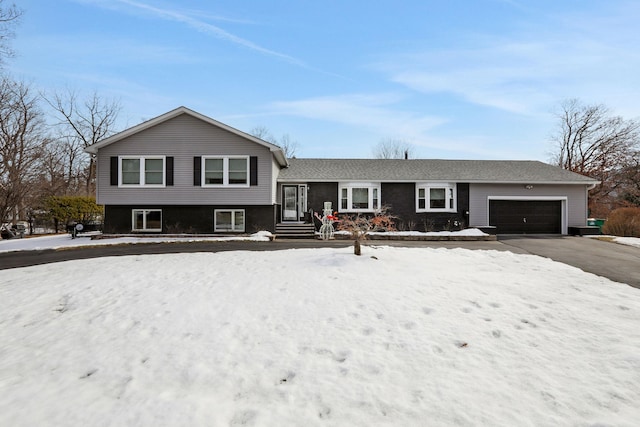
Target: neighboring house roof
{"x":392,"y":170}
{"x":277,"y":151}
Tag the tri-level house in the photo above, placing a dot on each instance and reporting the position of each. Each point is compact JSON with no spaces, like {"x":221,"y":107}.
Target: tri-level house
{"x":183,"y":172}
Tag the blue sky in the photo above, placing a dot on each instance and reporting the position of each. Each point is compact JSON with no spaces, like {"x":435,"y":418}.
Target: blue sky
{"x":457,"y":79}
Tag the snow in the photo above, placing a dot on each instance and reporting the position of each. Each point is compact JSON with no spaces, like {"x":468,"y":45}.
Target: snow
{"x":396,"y":337}
{"x":630,"y":241}
{"x":466,"y":232}
{"x":65,"y":241}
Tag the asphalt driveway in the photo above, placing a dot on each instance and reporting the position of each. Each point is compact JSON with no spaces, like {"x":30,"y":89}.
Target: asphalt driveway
{"x":616,"y":262}
{"x":620,"y":263}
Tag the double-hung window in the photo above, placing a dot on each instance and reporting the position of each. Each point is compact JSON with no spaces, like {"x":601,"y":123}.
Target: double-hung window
{"x":225,"y":171}
{"x":138,"y":171}
{"x":146,"y":220}
{"x":359,"y":197}
{"x":435,"y":197}
{"x":229,"y":220}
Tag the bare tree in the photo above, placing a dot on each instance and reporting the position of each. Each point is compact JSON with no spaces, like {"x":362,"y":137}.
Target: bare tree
{"x":22,"y":143}
{"x":81,"y":124}
{"x":9,"y":17}
{"x":393,"y":149}
{"x":592,"y":142}
{"x":289,"y":147}
{"x":359,"y":226}
{"x":263,"y":133}
{"x":629,"y":176}
{"x":63,"y":168}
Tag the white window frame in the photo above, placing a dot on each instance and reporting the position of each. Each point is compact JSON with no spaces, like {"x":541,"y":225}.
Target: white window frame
{"x":144,"y":219}
{"x":451,"y":196}
{"x":234,"y":227}
{"x":225,"y":171}
{"x":372,"y":187}
{"x":142,"y":179}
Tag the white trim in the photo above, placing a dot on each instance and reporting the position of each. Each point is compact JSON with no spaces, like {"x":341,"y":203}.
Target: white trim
{"x":302,"y":200}
{"x":449,"y":187}
{"x":144,"y":219}
{"x":142,"y":159}
{"x":233,"y":220}
{"x":564,"y":220}
{"x":225,"y":172}
{"x":349,"y":186}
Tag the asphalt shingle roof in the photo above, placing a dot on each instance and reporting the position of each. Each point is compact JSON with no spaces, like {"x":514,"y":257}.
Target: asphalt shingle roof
{"x":386,"y":170}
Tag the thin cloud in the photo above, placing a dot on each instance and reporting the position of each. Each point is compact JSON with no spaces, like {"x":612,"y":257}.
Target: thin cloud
{"x":374,"y":113}
{"x":205,"y":28}
{"x":589,"y":55}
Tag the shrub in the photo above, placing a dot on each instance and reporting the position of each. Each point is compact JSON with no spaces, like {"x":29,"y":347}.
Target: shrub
{"x":624,"y":222}
{"x":359,"y":226}
{"x":66,"y":209}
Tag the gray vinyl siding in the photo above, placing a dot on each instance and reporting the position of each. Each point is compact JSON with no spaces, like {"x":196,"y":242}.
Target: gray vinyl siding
{"x":183,"y":138}
{"x":576,"y":204}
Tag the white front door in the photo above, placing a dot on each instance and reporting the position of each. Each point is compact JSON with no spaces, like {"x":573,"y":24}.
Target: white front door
{"x":294,"y":200}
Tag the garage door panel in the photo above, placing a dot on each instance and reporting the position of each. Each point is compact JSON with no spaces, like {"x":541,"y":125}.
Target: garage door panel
{"x":526,"y":216}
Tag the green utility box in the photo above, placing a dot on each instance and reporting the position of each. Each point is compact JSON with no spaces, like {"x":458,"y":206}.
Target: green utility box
{"x":596,"y":222}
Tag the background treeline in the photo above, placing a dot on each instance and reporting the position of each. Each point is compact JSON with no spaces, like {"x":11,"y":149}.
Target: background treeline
{"x":42,"y":142}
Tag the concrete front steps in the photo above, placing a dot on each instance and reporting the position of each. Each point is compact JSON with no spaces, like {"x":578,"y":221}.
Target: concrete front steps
{"x":295,"y":230}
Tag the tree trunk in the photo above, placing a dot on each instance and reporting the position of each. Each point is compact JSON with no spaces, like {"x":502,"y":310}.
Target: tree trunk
{"x":356,"y":247}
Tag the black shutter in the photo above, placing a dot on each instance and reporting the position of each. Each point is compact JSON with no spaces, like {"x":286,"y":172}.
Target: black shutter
{"x":253,"y":170}
{"x":113,"y":171}
{"x":169,"y":170}
{"x":197,"y":170}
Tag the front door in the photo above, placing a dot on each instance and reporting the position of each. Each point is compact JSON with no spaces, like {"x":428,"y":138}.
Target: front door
{"x":293,"y":202}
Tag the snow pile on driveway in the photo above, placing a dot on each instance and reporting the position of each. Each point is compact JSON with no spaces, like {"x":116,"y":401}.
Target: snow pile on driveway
{"x":398,"y":337}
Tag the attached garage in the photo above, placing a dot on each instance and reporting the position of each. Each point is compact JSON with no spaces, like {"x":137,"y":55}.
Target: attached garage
{"x":526,"y":216}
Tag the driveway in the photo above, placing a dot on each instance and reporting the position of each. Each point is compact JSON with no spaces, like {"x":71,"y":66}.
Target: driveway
{"x":617,"y":262}
{"x":613,"y":261}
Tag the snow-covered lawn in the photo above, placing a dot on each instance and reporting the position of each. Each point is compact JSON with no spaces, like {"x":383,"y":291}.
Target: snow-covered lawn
{"x":311,"y":337}
{"x":58,"y":241}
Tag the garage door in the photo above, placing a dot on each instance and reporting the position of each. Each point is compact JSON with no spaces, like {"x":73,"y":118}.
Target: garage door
{"x":526,"y":217}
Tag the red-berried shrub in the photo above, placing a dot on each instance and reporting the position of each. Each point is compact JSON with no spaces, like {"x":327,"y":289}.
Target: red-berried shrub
{"x":360,"y":225}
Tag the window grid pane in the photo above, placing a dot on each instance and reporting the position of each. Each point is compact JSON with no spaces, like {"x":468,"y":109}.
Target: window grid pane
{"x":131,"y":171}
{"x":237,"y":171}
{"x":214,"y":171}
{"x":138,"y":220}
{"x":360,"y":198}
{"x":437,"y":198}
{"x":421,"y":198}
{"x":223,"y":221}
{"x":238,"y":221}
{"x":153,"y":171}
{"x":154,"y":220}
{"x":343,"y":199}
